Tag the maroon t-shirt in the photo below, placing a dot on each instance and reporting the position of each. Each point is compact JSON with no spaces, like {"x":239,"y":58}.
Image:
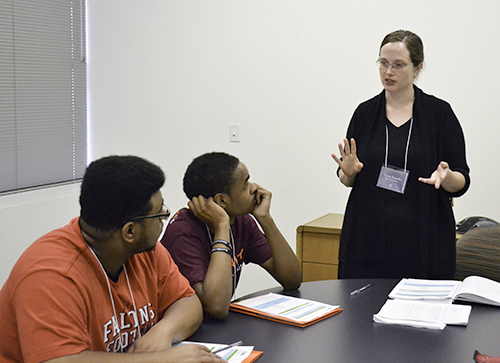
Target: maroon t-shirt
{"x":188,"y":240}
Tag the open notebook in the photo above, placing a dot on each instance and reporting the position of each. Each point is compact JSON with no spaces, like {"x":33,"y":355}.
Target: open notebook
{"x":472,"y":289}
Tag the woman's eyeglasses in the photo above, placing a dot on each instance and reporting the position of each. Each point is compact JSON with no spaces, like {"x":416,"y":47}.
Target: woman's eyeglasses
{"x":386,"y":65}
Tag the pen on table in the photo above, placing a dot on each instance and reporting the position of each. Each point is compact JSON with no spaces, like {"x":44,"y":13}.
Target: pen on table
{"x":360,"y":289}
{"x":227,"y":347}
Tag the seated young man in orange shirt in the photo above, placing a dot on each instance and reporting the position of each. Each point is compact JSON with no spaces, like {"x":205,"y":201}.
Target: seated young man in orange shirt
{"x":102,"y":285}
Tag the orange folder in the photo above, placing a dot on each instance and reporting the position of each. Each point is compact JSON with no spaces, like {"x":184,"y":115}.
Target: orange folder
{"x":234,"y":306}
{"x":253,"y":356}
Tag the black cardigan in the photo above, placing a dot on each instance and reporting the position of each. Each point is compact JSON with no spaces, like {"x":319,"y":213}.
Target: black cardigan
{"x":436,"y":136}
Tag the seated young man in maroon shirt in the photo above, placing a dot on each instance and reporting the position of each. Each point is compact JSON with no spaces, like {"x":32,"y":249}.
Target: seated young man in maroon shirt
{"x":212,"y":239}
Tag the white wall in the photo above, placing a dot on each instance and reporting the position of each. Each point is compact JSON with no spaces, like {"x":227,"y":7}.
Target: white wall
{"x":166,"y":78}
{"x":27,"y":216}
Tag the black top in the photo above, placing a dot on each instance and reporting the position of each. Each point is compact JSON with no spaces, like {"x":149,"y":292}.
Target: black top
{"x":390,"y":235}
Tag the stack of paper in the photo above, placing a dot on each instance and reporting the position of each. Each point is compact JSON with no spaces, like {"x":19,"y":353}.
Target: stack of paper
{"x":423,"y":304}
{"x":417,"y":289}
{"x":473,"y":289}
{"x":421,"y":314}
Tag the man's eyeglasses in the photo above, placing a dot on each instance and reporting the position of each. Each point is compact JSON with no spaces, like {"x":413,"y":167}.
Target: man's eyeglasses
{"x":162,"y":216}
{"x":386,"y":65}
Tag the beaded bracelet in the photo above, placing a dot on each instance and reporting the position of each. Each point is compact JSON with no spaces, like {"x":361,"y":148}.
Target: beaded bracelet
{"x":227,"y":244}
{"x":221,"y":249}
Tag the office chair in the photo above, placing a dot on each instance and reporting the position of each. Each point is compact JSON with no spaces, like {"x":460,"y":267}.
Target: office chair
{"x":478,"y":253}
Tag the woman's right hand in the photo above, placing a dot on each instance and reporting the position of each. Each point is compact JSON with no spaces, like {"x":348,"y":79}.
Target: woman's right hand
{"x":349,"y":163}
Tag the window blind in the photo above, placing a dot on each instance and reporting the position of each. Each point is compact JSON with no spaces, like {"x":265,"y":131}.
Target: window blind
{"x":43,"y":102}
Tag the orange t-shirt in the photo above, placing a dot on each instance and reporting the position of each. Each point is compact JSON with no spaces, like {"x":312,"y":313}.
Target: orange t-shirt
{"x":56,"y":301}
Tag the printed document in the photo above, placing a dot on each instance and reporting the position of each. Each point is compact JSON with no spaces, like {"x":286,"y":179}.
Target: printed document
{"x":422,"y":314}
{"x":418,"y":289}
{"x":287,"y":307}
{"x":236,"y":354}
{"x":473,"y":289}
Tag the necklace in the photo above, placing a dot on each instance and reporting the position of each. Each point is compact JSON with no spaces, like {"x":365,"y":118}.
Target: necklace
{"x":115,"y":321}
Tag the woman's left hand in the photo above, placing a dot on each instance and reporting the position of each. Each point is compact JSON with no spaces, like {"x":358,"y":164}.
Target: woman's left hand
{"x":437,"y":178}
{"x":451,"y":181}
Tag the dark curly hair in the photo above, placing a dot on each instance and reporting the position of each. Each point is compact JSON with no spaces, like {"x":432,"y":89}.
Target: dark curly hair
{"x":210,"y":174}
{"x":117,"y":188}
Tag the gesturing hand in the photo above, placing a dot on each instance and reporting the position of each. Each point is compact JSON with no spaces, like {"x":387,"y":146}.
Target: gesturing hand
{"x":348,"y":161}
{"x":437,"y":177}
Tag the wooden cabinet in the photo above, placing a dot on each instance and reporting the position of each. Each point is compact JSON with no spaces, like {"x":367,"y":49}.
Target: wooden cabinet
{"x":318,"y":247}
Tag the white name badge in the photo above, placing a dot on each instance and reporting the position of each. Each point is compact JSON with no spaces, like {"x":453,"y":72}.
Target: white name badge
{"x":392,"y":178}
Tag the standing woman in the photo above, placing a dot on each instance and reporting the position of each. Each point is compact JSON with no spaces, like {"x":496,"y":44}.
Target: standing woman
{"x":404,"y":157}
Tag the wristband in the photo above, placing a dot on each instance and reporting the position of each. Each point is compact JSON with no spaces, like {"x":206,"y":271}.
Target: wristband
{"x":227,"y":244}
{"x":221,"y":249}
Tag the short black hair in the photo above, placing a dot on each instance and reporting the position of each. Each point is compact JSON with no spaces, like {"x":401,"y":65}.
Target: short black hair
{"x":116,"y":189}
{"x":210,"y":174}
